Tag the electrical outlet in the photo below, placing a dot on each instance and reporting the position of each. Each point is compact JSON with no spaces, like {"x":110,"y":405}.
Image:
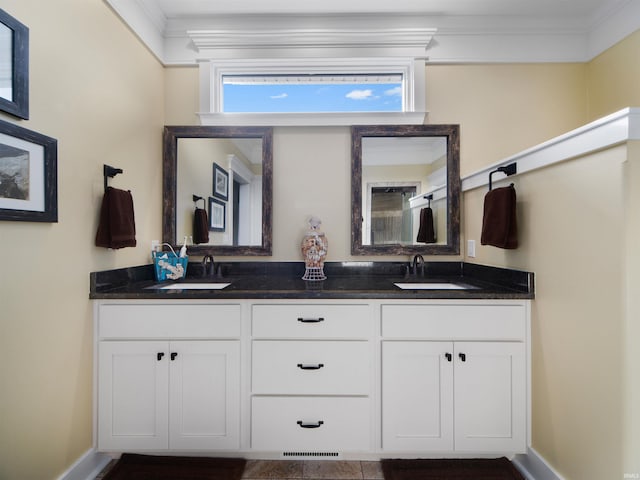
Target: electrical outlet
{"x":471,"y":248}
{"x":155,"y":245}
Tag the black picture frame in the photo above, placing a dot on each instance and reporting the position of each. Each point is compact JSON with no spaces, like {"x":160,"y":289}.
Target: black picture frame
{"x":220,"y":182}
{"x":16,"y":41}
{"x":217,"y":215}
{"x":28,"y":175}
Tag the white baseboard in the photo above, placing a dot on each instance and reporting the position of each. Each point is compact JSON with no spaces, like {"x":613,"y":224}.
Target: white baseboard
{"x":534,"y":467}
{"x":87,"y":466}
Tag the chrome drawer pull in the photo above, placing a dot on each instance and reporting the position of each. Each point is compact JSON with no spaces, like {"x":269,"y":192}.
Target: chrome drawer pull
{"x":311,"y":320}
{"x":310,"y":425}
{"x":317,"y":366}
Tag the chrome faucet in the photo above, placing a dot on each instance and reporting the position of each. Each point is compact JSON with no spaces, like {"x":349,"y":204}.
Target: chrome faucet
{"x":418,"y":261}
{"x":208,"y":266}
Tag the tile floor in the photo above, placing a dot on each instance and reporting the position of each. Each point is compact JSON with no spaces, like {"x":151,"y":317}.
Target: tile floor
{"x":303,"y":470}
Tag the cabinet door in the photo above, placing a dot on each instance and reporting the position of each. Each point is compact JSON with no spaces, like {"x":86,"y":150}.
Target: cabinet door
{"x":133,"y":381}
{"x":417,"y":396}
{"x":490,"y":397}
{"x":204,"y":395}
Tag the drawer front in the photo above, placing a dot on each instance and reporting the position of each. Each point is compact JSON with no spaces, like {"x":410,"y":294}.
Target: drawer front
{"x":311,"y":367}
{"x":326,"y":424}
{"x":311,"y":321}
{"x":454,"y":322}
{"x":168,"y":321}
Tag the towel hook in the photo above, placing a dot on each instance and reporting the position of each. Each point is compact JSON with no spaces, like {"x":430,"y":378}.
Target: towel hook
{"x":508,"y":170}
{"x":428,"y":198}
{"x":109,"y":171}
{"x":196,"y":199}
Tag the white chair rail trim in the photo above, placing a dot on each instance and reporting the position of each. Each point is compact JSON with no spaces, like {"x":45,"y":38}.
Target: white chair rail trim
{"x":614,"y":129}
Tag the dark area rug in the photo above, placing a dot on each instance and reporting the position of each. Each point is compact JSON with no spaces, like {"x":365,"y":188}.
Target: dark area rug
{"x":450,"y":469}
{"x":151,"y":467}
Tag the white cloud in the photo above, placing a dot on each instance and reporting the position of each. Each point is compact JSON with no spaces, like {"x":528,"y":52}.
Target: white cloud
{"x":277,"y":97}
{"x":360,"y":94}
{"x":396,"y":91}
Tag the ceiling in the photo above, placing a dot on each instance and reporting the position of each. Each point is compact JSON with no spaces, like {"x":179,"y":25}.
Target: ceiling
{"x":465,"y":30}
{"x":587,"y":11}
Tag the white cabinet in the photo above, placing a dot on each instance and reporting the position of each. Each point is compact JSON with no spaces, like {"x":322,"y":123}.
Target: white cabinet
{"x":467,"y":395}
{"x":311,"y":378}
{"x":490,"y":396}
{"x":352,"y":378}
{"x":168,"y":394}
{"x":417,"y":397}
{"x":133,"y":401}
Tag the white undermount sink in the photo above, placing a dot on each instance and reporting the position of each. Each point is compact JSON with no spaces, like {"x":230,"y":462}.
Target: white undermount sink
{"x":193,"y":286}
{"x":432,"y":286}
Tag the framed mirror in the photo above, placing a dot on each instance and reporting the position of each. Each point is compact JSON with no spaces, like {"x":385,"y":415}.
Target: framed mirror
{"x":226,"y":172}
{"x":405,"y":190}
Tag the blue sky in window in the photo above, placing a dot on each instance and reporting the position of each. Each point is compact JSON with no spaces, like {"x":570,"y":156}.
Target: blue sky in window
{"x":342,"y":97}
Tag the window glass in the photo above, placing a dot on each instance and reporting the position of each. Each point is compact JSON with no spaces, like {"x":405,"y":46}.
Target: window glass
{"x":312,"y":93}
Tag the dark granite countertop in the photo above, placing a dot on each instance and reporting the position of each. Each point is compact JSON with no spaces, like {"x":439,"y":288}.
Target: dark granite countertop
{"x":345,"y":280}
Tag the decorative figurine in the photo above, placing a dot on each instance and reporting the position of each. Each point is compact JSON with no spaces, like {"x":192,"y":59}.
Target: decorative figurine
{"x":314,"y":251}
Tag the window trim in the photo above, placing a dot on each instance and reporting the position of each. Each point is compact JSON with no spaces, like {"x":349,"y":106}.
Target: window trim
{"x":212,"y":72}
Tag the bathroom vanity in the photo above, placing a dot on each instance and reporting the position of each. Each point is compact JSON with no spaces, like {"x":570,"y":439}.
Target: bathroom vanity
{"x":352,"y":367}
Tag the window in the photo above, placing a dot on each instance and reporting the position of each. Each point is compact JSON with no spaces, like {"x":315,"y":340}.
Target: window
{"x":337,"y":91}
{"x":311,"y":93}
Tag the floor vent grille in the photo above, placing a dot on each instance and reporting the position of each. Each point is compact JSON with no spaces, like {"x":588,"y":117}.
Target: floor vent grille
{"x":310,"y":454}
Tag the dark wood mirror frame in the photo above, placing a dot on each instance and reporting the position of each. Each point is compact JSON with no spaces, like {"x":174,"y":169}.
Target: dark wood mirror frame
{"x":169,"y":185}
{"x":452,"y":133}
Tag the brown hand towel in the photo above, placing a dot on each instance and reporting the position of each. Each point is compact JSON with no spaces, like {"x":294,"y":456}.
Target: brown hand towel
{"x":200,"y":226}
{"x":426,"y":232}
{"x":117,"y":228}
{"x":499,"y":218}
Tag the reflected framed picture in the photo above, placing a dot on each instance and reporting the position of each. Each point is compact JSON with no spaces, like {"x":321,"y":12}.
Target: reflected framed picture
{"x":28,"y":175}
{"x":217,"y":215}
{"x":14,"y":66}
{"x":220,"y":182}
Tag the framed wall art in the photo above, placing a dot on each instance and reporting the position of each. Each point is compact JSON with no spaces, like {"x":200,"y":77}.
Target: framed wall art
{"x":220,"y":182}
{"x":28,"y":175}
{"x":217,"y":215}
{"x":14,"y":66}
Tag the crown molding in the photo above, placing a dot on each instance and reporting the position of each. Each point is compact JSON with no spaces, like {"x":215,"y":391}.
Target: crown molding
{"x":459,"y":39}
{"x":293,"y":38}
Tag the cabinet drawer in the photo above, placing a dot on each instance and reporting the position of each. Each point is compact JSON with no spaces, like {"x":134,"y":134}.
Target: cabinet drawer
{"x":345,"y":424}
{"x":311,"y":367}
{"x":311,"y":321}
{"x":454,"y":322}
{"x":169,"y":321}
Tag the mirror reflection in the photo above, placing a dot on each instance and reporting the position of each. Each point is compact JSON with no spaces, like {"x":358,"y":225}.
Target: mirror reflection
{"x":397,"y":173}
{"x":405,"y":189}
{"x":226,"y":175}
{"x":217,"y":184}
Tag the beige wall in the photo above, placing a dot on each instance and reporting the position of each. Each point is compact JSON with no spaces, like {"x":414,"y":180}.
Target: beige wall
{"x":100,"y":93}
{"x":567,"y":215}
{"x":631,"y":327}
{"x":105,"y":98}
{"x":578,"y":226}
{"x":502,"y":109}
{"x":613,"y":78}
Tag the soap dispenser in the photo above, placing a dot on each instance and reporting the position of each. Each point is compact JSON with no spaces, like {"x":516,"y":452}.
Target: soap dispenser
{"x":183,"y":250}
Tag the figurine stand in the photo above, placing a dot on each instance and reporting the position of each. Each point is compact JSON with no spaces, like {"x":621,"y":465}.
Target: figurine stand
{"x":314,"y":273}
